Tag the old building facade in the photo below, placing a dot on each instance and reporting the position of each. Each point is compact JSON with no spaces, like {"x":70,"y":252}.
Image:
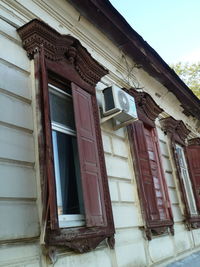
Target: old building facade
{"x":137,"y":199}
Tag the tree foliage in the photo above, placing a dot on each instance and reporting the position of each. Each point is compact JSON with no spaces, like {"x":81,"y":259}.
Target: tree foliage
{"x":190,"y":74}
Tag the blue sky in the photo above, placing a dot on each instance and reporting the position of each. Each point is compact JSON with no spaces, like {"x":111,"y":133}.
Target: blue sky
{"x":171,"y":27}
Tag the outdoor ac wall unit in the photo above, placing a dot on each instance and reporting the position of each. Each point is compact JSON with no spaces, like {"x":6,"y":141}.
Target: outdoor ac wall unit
{"x":116,"y":101}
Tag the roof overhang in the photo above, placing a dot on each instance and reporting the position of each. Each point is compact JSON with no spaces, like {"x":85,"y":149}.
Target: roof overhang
{"x":105,"y":17}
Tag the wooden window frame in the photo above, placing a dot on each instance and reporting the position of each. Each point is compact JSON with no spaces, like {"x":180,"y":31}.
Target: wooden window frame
{"x":177,"y":133}
{"x":148,"y":111}
{"x":62,"y":59}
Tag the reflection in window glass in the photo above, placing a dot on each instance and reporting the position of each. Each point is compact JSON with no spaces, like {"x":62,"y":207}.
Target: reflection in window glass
{"x":65,"y":151}
{"x":186,"y":179}
{"x":62,"y":109}
{"x":67,"y":173}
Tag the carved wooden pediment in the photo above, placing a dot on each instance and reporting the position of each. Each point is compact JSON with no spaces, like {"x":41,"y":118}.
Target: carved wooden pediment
{"x":176,"y":128}
{"x":147,"y":108}
{"x":168,"y":124}
{"x":62,"y":59}
{"x":182,"y":131}
{"x":194,"y":141}
{"x":58,"y":47}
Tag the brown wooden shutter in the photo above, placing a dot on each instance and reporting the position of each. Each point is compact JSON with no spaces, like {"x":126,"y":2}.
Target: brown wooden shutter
{"x":89,"y":158}
{"x":49,"y":163}
{"x":162,"y":176}
{"x":193,"y":158}
{"x":145,"y":174}
{"x":156,"y":172}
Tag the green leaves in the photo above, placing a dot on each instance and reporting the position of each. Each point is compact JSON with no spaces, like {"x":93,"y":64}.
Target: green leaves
{"x":190,"y":74}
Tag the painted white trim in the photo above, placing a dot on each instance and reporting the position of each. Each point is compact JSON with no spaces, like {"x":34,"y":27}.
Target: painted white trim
{"x":57,"y":91}
{"x":63,"y":129}
{"x":187,"y":182}
{"x":72,"y":220}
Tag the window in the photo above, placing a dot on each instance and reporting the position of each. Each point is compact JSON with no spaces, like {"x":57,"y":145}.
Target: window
{"x":186,"y":179}
{"x":66,"y":159}
{"x":187,"y":162}
{"x":77,"y":209}
{"x":148,"y":167}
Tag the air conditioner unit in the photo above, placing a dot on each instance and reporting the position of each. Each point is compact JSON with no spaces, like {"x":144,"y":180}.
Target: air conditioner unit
{"x":116,"y":101}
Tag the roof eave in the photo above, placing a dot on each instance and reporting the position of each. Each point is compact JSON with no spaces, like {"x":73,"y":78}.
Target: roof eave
{"x":115,"y":27}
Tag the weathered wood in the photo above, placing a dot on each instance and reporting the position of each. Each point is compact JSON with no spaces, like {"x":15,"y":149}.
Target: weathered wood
{"x":89,"y":158}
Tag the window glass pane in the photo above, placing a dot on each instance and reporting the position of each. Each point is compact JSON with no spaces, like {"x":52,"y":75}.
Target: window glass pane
{"x":61,"y":108}
{"x":180,"y":156}
{"x":186,"y":179}
{"x":66,"y":159}
{"x":67,"y":172}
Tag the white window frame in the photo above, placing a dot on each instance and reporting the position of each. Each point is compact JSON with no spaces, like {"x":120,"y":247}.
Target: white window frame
{"x":65,"y":220}
{"x":186,"y":180}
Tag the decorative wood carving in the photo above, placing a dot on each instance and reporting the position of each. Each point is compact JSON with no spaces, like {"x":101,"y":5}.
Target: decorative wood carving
{"x":148,"y":111}
{"x":138,"y":49}
{"x":85,"y":239}
{"x":157,"y":230}
{"x":178,"y":132}
{"x":75,"y":242}
{"x":195,"y":225}
{"x":192,"y":222}
{"x":175,"y":128}
{"x":111,"y":241}
{"x":66,"y":61}
{"x":147,"y":108}
{"x":169,"y":124}
{"x":59,"y":47}
{"x":182,"y":131}
{"x":194,"y":141}
{"x":160,"y":228}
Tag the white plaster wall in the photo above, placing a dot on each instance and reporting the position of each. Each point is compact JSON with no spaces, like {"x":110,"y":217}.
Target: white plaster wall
{"x":19,"y":225}
{"x":19,"y":162}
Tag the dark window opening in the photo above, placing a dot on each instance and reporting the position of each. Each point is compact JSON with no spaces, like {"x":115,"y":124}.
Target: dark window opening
{"x":66,"y":159}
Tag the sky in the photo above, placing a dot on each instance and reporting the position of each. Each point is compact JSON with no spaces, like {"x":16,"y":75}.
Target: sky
{"x":171,"y":27}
